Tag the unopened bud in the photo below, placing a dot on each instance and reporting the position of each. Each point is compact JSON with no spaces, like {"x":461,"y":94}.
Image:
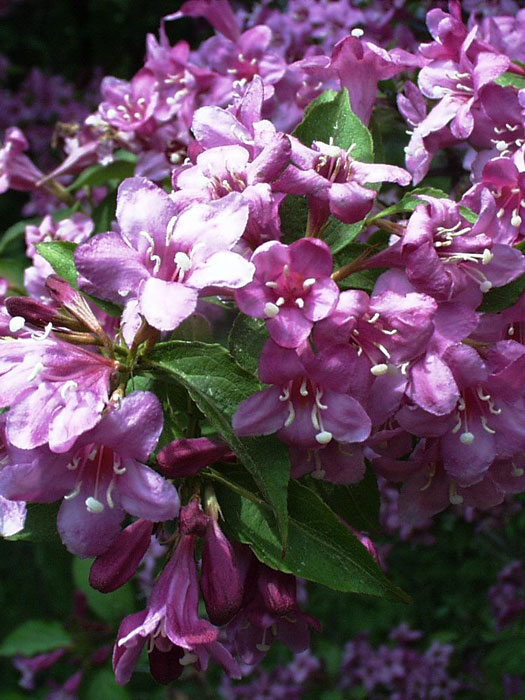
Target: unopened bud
{"x":278,"y":590}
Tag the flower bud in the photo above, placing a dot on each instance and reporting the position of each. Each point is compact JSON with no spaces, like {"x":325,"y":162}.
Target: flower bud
{"x":192,"y":519}
{"x":223,"y":575}
{"x":186,"y":457}
{"x":118,"y":563}
{"x":278,"y":590}
{"x":63,"y":293}
{"x":39,"y":315}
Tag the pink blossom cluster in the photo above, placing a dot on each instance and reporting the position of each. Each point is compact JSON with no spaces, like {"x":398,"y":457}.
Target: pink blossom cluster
{"x":410,"y":374}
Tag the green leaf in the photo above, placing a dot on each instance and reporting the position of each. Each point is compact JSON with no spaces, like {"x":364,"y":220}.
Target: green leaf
{"x":331,"y":120}
{"x":104,"y":213}
{"x":500,"y":298}
{"x":16,"y":232}
{"x":218,"y":384}
{"x":111,"y":607}
{"x":338,"y":235}
{"x":320,"y":548}
{"x":246,"y":340}
{"x":409,"y":202}
{"x":40,"y":524}
{"x":13,"y":271}
{"x":35,"y":637}
{"x":468,"y":214}
{"x":293,"y":214}
{"x":97,"y":175}
{"x":60,"y":255}
{"x":102,"y":686}
{"x":508,"y":655}
{"x":358,"y":504}
{"x":517,"y":81}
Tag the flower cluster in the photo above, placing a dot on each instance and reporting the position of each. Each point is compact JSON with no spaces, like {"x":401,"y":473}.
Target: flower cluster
{"x":388,"y":327}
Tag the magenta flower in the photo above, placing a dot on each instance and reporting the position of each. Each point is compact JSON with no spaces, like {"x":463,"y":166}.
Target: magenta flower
{"x":308,"y":404}
{"x":55,"y":391}
{"x":128,"y":106}
{"x":101,"y":477}
{"x":177,"y":636}
{"x":291,"y":289}
{"x":334,"y":182}
{"x":162,"y":258}
{"x":17,"y":171}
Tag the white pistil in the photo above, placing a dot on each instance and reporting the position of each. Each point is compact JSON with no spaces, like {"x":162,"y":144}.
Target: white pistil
{"x":16,"y":324}
{"x":291,"y":415}
{"x":35,"y":371}
{"x":271,"y":310}
{"x":68,"y":386}
{"x":516,"y":219}
{"x":309,"y":282}
{"x":467,"y":438}
{"x":379,"y":370}
{"x":501,"y":145}
{"x":93,"y":505}
{"x":324,"y":437}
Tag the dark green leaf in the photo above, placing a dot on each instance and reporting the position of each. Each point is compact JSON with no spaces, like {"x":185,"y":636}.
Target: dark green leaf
{"x":111,"y":607}
{"x":468,"y":214}
{"x":60,"y":255}
{"x":35,"y":637}
{"x":13,"y":271}
{"x":357,"y":504}
{"x":97,"y":175}
{"x":500,"y":298}
{"x":517,"y":81}
{"x":338,"y":235}
{"x":40,"y":525}
{"x":16,"y":232}
{"x":218,"y":384}
{"x":104,"y":213}
{"x":331,"y":120}
{"x":320,"y":548}
{"x":293,"y":214}
{"x":101,"y":685}
{"x":246,"y":340}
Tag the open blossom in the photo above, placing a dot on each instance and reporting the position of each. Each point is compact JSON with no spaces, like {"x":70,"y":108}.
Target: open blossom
{"x":307,"y":405}
{"x":162,"y":258}
{"x":17,"y":171}
{"x":55,"y":391}
{"x":101,"y":477}
{"x":127,"y":106}
{"x":334,"y":182}
{"x":291,"y":289}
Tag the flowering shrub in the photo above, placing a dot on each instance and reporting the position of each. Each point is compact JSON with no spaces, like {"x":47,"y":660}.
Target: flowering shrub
{"x":242,"y":306}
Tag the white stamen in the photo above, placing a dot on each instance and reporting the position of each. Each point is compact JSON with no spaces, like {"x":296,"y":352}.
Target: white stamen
{"x":285,"y":395}
{"x":309,"y":282}
{"x":374,"y":318}
{"x":383,"y":350}
{"x":16,"y":324}
{"x":189,"y":658}
{"x":116,"y":465}
{"x":357,"y":32}
{"x":379,"y":370}
{"x":272,"y":285}
{"x":485,"y":286}
{"x":303,"y":389}
{"x":486,"y":427}
{"x":286,"y":270}
{"x":35,"y":371}
{"x":44,"y":334}
{"x":466,"y":438}
{"x":482,"y":396}
{"x":93,"y":505}
{"x":74,"y":493}
{"x":262,"y":647}
{"x":457,"y":427}
{"x":511,"y":330}
{"x":93,"y":454}
{"x":454,"y":497}
{"x":516,"y":471}
{"x":318,"y":397}
{"x":109,"y":492}
{"x":516,"y":219}
{"x":487,"y":256}
{"x":157,"y":262}
{"x":300,"y":302}
{"x":324,"y":437}
{"x":123,"y":292}
{"x":73,"y":464}
{"x":170,"y":227}
{"x":291,"y":415}
{"x":271,"y":310}
{"x":70,"y":385}
{"x":501,"y":145}
{"x":280,"y":301}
